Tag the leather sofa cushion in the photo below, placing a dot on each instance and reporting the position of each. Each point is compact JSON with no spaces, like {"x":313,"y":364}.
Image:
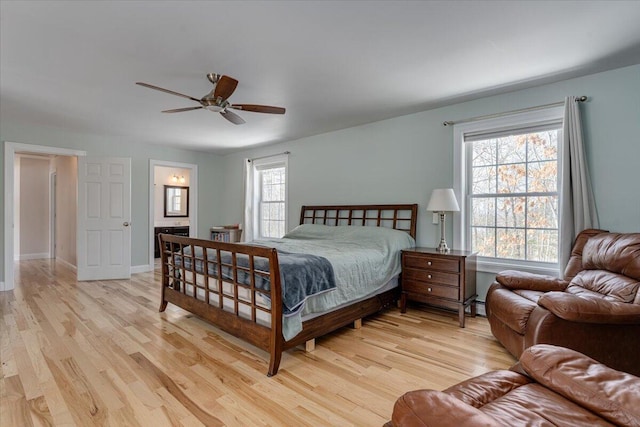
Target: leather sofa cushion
{"x":485,"y":388}
{"x":613,"y":286}
{"x":515,"y":279}
{"x":535,"y":405}
{"x":513,"y":311}
{"x":532,"y":296}
{"x":575,"y":259}
{"x":425,"y":408}
{"x":614,"y":395}
{"x":590,"y":307}
{"x":614,"y":252}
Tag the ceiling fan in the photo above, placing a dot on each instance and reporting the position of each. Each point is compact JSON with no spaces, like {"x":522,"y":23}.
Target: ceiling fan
{"x":217,"y":99}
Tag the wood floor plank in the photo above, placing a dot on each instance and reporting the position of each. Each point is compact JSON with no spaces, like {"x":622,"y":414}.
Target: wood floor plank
{"x":14,"y":409}
{"x":99,"y":353}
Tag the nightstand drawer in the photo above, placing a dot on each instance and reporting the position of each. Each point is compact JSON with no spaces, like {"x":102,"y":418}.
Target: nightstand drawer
{"x":431,"y":263}
{"x":432,"y":276}
{"x":430,"y":289}
{"x":441,"y":279}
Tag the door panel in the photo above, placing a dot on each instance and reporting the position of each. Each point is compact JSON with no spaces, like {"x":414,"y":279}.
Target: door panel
{"x":104,"y":215}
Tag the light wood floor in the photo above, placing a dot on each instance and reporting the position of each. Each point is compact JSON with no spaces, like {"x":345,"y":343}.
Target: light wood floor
{"x":99,"y":353}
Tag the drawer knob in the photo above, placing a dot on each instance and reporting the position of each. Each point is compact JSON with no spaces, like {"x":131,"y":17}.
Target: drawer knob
{"x":428,"y":262}
{"x":429,"y":289}
{"x":429,"y":276}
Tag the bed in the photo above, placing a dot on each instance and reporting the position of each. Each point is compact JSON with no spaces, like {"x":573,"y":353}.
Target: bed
{"x":239,"y":287}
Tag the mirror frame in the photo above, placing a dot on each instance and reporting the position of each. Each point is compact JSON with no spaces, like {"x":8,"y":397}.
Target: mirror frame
{"x":169,"y":213}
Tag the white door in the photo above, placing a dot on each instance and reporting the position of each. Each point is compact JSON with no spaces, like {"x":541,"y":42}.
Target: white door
{"x":104,"y":218}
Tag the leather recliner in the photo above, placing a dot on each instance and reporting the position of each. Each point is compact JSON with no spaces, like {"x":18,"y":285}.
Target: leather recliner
{"x":594,"y":310}
{"x":550,"y":386}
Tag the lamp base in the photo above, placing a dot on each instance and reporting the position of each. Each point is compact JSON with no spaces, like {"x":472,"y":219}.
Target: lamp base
{"x":442,"y":247}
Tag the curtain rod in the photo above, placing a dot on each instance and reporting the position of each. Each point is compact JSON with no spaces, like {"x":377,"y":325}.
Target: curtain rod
{"x":271,"y":155}
{"x":506,"y":113}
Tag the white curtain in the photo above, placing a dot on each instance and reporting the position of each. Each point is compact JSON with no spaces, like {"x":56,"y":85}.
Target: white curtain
{"x":577,"y":206}
{"x":248,"y":201}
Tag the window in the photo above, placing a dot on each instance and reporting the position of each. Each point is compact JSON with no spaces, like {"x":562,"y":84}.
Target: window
{"x":269,"y":197}
{"x":272,"y":182}
{"x":508,"y":177}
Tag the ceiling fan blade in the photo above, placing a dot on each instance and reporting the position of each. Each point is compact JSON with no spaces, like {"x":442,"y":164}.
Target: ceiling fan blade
{"x":232,"y":117}
{"x":167,"y":91}
{"x":259,"y":108}
{"x":225,"y":87}
{"x":180,"y":110}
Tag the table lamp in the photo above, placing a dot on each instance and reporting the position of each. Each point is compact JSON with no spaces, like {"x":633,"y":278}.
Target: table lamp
{"x":443,"y":200}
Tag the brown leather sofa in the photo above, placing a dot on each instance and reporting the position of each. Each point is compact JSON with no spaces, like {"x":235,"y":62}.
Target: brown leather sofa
{"x":594,"y":310}
{"x":549,"y":386}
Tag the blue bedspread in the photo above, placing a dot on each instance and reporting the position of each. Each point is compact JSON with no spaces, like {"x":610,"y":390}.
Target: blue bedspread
{"x":301,"y":275}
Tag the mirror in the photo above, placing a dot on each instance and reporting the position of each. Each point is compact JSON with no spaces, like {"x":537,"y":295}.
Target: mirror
{"x":176,"y":201}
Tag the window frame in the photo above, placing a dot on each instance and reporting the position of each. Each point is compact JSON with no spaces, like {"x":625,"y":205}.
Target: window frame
{"x":258,"y":167}
{"x":461,"y":220}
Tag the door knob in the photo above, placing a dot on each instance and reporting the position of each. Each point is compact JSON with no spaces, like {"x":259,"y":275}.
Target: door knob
{"x":126,"y":224}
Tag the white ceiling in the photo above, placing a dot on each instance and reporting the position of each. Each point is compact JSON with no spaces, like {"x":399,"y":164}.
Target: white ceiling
{"x":332,"y":64}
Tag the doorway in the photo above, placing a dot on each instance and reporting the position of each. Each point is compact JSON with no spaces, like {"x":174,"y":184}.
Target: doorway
{"x":161,"y":173}
{"x":11,"y":220}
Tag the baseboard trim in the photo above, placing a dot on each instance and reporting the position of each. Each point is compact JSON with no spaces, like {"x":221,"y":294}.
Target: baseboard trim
{"x":26,"y":257}
{"x":141,"y":268}
{"x":2,"y":289}
{"x":481,"y":310}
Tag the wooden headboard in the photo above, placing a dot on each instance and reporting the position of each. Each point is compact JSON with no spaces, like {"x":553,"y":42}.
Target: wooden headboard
{"x":398,"y":217}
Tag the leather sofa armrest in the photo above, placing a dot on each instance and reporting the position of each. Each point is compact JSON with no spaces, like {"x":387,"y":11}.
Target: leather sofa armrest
{"x":426,"y":408}
{"x":573,"y":308}
{"x":514,"y":279}
{"x":483,"y":389}
{"x":612,"y":394}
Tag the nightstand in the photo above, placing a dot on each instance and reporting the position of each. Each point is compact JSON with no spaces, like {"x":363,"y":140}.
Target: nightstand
{"x":445,"y":280}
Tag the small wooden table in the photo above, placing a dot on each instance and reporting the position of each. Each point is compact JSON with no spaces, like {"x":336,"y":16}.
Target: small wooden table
{"x":446,"y":280}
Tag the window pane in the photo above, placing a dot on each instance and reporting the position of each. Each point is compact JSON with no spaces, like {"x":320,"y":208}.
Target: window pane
{"x":542,"y":245}
{"x":512,"y":178}
{"x":512,"y":149}
{"x":483,"y":241}
{"x":511,"y":243}
{"x":510,"y":212}
{"x":484,"y":180}
{"x":543,"y":176}
{"x":484,"y":152}
{"x":484,"y":211}
{"x":543,"y":145}
{"x":542,"y":212}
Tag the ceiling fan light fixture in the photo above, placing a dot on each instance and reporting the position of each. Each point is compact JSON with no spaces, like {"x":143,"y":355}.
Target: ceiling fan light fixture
{"x":214,"y":108}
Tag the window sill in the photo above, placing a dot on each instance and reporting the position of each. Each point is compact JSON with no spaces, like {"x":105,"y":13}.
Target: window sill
{"x":486,"y":265}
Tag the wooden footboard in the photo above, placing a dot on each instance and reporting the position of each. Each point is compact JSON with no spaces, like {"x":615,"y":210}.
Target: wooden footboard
{"x":191,"y":272}
{"x":224,"y":282}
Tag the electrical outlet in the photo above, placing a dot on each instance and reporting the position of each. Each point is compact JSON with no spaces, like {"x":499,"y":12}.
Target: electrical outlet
{"x":436,"y":218}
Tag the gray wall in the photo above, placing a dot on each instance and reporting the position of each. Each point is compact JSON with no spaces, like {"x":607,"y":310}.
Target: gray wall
{"x":401,"y":160}
{"x":398,"y":160}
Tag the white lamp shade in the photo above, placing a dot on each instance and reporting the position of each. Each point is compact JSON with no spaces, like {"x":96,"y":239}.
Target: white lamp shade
{"x":443,"y":200}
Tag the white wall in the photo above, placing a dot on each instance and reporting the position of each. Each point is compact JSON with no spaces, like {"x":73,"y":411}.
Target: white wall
{"x":66,"y":168}
{"x":34,"y":207}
